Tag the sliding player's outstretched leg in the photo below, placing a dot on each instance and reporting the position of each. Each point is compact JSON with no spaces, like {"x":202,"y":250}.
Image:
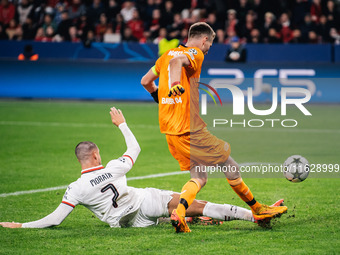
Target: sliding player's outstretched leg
{"x":207,"y":213}
{"x":187,"y":196}
{"x":260,"y":211}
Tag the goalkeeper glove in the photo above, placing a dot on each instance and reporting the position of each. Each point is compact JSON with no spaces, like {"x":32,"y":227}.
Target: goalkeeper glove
{"x":176,"y":89}
{"x":155,"y":96}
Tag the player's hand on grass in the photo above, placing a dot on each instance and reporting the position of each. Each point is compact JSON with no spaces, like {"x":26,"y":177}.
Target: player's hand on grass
{"x":117,"y":116}
{"x":176,"y":90}
{"x":10,"y":224}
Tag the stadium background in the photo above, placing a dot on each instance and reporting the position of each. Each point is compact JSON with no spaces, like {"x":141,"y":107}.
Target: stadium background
{"x":278,"y":34}
{"x":38,"y":135}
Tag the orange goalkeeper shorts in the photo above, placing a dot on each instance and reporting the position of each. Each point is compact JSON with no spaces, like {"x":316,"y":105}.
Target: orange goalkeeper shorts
{"x":198,"y":148}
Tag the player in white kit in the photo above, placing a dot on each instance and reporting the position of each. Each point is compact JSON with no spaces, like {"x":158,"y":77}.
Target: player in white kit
{"x":104,"y":191}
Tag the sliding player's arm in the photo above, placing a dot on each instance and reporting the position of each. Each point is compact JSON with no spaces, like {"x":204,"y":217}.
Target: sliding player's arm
{"x":53,"y":219}
{"x":148,"y":82}
{"x":133,"y":148}
{"x":175,"y":67}
{"x":70,"y":200}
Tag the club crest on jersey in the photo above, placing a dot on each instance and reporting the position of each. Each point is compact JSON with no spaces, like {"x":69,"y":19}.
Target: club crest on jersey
{"x":193,"y":51}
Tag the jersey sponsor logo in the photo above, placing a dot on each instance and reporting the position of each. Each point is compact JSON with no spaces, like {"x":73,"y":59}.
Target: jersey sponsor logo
{"x":169,"y":100}
{"x":100,"y":179}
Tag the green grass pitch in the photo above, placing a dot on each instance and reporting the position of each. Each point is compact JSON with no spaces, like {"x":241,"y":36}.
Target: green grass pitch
{"x":37,"y":141}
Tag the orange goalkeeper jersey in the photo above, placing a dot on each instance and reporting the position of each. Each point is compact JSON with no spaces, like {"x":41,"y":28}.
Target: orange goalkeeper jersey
{"x":180,"y":114}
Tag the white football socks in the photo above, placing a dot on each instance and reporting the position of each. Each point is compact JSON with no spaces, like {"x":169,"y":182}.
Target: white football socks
{"x":227,"y":212}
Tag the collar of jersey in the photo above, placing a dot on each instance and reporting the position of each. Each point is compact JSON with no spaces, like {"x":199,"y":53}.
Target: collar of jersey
{"x":91,"y":169}
{"x":189,"y":47}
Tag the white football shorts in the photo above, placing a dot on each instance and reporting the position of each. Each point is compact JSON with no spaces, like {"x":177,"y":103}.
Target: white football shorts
{"x":155,"y":205}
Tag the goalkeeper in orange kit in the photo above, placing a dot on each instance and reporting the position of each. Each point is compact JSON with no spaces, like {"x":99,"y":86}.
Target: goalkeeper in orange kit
{"x":189,"y":141}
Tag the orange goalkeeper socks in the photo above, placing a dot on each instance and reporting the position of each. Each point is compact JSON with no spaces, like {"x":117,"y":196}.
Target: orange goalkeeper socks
{"x":244,"y":193}
{"x":188,"y":194}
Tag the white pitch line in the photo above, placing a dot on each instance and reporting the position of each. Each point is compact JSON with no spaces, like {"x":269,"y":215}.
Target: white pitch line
{"x":66,"y":124}
{"x":24,"y":192}
{"x":97,"y":125}
{"x":17,"y":193}
{"x":155,"y":175}
{"x":283,"y":130}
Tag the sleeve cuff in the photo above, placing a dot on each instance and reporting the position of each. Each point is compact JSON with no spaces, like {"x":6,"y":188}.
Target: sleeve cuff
{"x":154,"y":71}
{"x":122,"y":126}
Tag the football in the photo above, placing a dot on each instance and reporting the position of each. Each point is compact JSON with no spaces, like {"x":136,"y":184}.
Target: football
{"x":296,"y":168}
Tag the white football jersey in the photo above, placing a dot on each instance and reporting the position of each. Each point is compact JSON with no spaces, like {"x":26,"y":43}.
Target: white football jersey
{"x":104,"y":191}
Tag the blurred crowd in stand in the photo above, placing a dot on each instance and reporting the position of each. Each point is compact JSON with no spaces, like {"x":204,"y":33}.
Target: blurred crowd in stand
{"x":252,"y":21}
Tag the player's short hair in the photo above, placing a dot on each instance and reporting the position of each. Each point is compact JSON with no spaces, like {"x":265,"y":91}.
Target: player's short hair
{"x":201,"y":28}
{"x":84,"y":149}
